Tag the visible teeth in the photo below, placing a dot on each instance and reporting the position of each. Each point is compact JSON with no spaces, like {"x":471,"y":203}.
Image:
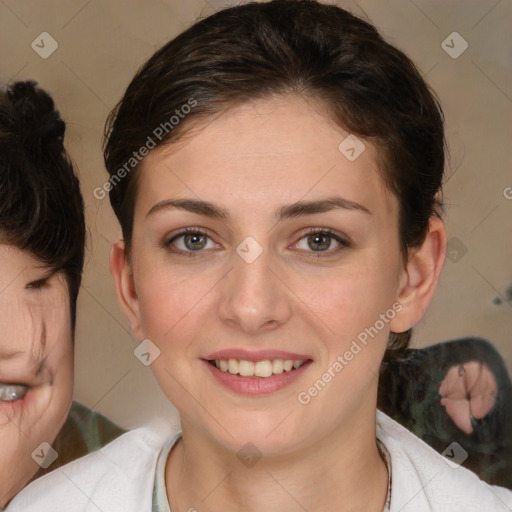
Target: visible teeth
{"x":12,"y":392}
{"x":277,"y":366}
{"x":288,"y":365}
{"x":263,"y":369}
{"x":246,"y":368}
{"x":233,"y":366}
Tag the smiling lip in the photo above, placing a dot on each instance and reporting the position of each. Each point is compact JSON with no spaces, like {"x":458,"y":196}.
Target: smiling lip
{"x":255,"y":386}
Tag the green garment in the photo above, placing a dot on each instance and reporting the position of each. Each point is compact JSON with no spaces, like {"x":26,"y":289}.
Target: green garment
{"x":84,"y":431}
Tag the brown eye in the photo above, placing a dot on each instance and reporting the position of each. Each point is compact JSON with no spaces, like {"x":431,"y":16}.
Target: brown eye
{"x":195,"y":241}
{"x":321,"y":241}
{"x":36,"y":285}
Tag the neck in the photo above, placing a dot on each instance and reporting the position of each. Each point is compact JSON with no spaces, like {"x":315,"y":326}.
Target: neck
{"x":342,"y":472}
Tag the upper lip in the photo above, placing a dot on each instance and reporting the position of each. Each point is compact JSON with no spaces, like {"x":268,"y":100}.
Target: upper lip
{"x":255,"y":356}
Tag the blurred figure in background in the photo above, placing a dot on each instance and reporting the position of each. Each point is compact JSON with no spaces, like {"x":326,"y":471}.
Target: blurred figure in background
{"x":42,"y":243}
{"x":455,"y":391}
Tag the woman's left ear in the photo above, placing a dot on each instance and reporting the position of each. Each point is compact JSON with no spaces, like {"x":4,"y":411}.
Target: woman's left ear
{"x":420,"y":276}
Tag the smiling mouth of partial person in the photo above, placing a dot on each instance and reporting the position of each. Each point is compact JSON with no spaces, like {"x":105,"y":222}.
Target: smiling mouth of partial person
{"x":258,"y":369}
{"x":13,"y":393}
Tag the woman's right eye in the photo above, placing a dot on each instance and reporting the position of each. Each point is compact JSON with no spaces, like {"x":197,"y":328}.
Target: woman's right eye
{"x":190,"y":241}
{"x":12,"y":392}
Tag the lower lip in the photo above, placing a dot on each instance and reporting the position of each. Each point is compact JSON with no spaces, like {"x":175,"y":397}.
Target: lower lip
{"x":256,"y":386}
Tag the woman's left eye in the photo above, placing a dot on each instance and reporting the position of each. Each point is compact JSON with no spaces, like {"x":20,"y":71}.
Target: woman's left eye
{"x":12,"y":392}
{"x":321,"y":241}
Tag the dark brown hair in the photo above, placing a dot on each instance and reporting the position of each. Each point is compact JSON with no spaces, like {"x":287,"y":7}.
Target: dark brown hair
{"x":320,"y":52}
{"x":41,"y":207}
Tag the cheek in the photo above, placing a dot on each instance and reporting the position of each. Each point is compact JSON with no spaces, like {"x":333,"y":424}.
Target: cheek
{"x":59,"y":337}
{"x":167,"y":298}
{"x":60,"y":368}
{"x":49,"y":414}
{"x":16,"y":324}
{"x":62,"y":365}
{"x":351,"y":298}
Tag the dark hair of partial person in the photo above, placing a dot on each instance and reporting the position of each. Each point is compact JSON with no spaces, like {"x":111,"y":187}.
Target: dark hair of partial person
{"x":319,"y":52}
{"x":41,"y":207}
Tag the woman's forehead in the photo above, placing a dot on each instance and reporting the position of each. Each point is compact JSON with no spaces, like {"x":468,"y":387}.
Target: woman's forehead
{"x":280,"y":148}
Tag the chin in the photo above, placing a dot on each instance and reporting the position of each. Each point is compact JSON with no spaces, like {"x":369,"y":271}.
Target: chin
{"x":265,"y":433}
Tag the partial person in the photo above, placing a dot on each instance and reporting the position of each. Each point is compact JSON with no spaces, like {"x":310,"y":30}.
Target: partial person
{"x":42,"y":243}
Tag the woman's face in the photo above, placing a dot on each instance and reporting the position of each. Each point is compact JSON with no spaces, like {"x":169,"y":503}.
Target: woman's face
{"x":36,"y":365}
{"x":292,"y":253}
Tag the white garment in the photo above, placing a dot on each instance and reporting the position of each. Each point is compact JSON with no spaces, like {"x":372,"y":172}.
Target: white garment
{"x":120,"y":478}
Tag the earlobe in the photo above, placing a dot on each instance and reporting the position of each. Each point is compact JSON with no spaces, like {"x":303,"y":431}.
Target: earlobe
{"x":420,"y":277}
{"x":125,"y":288}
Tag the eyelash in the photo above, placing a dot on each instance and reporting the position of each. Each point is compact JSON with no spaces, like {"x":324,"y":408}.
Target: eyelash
{"x":343,"y":244}
{"x":36,"y":285}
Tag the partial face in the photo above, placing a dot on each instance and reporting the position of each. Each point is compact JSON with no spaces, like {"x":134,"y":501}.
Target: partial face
{"x":257,"y":244}
{"x":36,"y":364}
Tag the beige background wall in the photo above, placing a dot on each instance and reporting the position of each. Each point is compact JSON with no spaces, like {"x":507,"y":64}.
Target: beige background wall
{"x":102,"y":43}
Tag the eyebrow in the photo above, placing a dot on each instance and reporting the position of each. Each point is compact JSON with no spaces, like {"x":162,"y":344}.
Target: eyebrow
{"x":285,"y":212}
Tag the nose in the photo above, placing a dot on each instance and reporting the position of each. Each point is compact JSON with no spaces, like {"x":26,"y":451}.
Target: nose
{"x":254,"y":300}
